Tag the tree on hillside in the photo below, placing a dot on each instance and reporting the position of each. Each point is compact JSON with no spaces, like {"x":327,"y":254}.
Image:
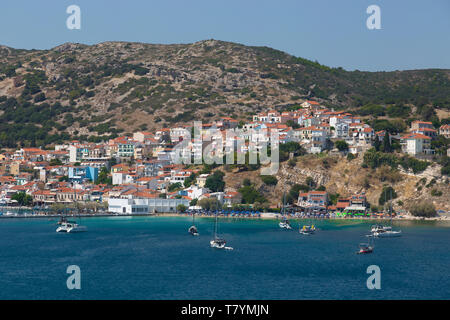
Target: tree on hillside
{"x":269,"y":180}
{"x":175,"y":186}
{"x":377,"y":143}
{"x":250,"y":195}
{"x":190,"y":180}
{"x":388,"y":193}
{"x":292,"y":196}
{"x":209,"y":204}
{"x":22,"y":198}
{"x":423,"y":209}
{"x":341,"y":145}
{"x":387,"y":143}
{"x":103,"y":177}
{"x":310,"y":182}
{"x":215,"y":181}
{"x":55,"y":162}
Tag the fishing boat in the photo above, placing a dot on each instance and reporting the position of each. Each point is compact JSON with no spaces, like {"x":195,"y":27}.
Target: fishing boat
{"x":217,"y":242}
{"x":193,"y":229}
{"x":307,"y":230}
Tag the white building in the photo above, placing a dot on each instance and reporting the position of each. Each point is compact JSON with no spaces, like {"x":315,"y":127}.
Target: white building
{"x":340,"y":130}
{"x":136,"y":206}
{"x":416,"y":144}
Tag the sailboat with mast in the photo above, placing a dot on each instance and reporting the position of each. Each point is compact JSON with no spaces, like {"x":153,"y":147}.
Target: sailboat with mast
{"x":216,"y":242}
{"x":193,"y":229}
{"x":284,"y":224}
{"x":381,"y":231}
{"x":71,"y":226}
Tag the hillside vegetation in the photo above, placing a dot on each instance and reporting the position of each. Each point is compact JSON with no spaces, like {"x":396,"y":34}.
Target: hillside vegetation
{"x":104,"y":90}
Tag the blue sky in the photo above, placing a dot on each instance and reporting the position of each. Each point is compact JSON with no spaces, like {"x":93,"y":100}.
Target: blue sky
{"x":415,"y":34}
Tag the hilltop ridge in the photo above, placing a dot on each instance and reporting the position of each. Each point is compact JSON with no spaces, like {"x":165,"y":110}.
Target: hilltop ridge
{"x":76,"y":90}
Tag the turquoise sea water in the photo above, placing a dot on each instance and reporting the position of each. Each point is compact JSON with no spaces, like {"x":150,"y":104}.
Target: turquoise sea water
{"x":155,"y":258}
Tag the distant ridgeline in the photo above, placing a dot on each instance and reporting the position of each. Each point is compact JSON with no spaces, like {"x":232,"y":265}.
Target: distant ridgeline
{"x":97,"y":92}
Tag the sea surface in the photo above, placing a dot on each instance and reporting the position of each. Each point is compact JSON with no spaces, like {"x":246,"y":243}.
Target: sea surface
{"x":156,"y":258}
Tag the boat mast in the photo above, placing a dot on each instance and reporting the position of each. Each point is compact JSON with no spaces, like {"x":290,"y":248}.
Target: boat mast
{"x":282,"y":207}
{"x":77,"y":211}
{"x":390,"y":204}
{"x":215,"y":228}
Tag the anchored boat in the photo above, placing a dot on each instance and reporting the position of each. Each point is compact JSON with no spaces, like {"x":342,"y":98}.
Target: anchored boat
{"x":217,"y":242}
{"x":381,"y":231}
{"x":70,"y":227}
{"x":193,"y":229}
{"x":308,"y":230}
{"x":365,"y":248}
{"x":284,"y":224}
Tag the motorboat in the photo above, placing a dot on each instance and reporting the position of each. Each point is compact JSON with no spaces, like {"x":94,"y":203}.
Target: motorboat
{"x":387,"y":234}
{"x":308,"y":230}
{"x":381,"y":231}
{"x":365,"y":248}
{"x":193,"y":231}
{"x":70,"y":227}
{"x":380,"y":228}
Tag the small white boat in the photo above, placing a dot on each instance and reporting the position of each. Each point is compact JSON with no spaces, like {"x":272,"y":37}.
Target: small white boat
{"x":381,"y":231}
{"x":380,"y":228}
{"x":70,"y":227}
{"x":193,"y":231}
{"x":218,"y":243}
{"x":387,"y":234}
{"x":10,"y":213}
{"x":284,"y":225}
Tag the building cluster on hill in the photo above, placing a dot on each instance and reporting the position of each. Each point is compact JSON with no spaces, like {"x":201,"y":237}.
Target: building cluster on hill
{"x":141,"y":174}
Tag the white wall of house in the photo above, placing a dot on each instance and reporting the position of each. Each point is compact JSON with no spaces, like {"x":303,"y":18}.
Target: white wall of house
{"x":136,"y":206}
{"x":118,"y":178}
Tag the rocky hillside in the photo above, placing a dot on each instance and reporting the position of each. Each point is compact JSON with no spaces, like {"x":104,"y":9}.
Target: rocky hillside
{"x":76,"y":90}
{"x":80,"y":91}
{"x":347,"y":177}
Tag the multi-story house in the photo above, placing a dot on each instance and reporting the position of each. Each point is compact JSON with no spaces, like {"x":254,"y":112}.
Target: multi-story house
{"x":313,"y":201}
{"x":416,"y":144}
{"x":444,"y":130}
{"x":416,"y":125}
{"x":82,"y":173}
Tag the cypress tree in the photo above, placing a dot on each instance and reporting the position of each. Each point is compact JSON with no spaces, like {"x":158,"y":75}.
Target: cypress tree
{"x":387,"y":143}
